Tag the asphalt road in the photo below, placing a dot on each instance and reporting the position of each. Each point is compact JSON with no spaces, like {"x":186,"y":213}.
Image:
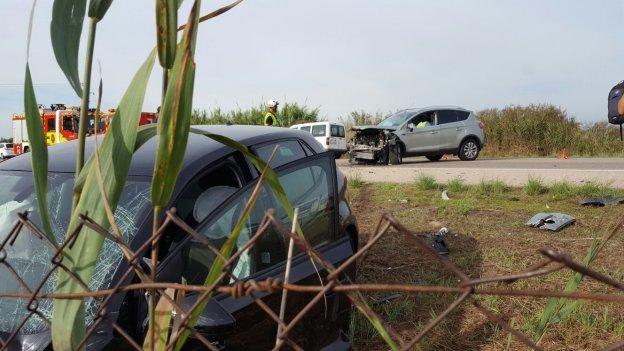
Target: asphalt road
{"x":514,"y":172}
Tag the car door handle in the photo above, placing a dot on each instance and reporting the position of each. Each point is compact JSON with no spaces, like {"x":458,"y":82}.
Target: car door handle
{"x":459,"y":128}
{"x":433,"y":132}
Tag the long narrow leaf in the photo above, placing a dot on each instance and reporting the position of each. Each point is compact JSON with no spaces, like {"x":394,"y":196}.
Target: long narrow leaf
{"x":271,"y":178}
{"x":174,"y":121}
{"x":163,"y":312}
{"x":558,"y":309}
{"x":226,"y":251}
{"x":65,"y":31}
{"x":68,"y":320}
{"x":144,"y":133}
{"x":34,"y":128}
{"x":39,"y":152}
{"x":166,"y":31}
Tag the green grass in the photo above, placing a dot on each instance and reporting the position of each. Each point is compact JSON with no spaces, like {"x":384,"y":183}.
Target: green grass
{"x":562,"y":190}
{"x":356,"y":182}
{"x":488,"y":238}
{"x":487,"y":187}
{"x":534,"y":187}
{"x":426,"y":182}
{"x":456,"y":186}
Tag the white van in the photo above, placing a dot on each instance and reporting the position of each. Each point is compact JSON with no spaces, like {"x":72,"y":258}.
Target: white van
{"x":330,"y":134}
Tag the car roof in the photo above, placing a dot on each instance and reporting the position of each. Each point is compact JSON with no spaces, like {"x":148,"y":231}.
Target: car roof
{"x":316,"y":123}
{"x":431,"y":108}
{"x":200,"y":150}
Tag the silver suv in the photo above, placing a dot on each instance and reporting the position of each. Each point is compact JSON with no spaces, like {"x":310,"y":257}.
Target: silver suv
{"x":430,"y":132}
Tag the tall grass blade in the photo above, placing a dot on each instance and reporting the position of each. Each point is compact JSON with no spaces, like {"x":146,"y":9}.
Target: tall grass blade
{"x":557,"y":310}
{"x":39,"y":149}
{"x":65,"y":31}
{"x":226,"y":251}
{"x":68,"y":319}
{"x":166,"y":31}
{"x":271,"y":178}
{"x":144,"y":133}
{"x":163,"y":314}
{"x":175,"y":118}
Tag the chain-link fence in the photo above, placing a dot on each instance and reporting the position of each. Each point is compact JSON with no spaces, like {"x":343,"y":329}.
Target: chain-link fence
{"x":33,"y":299}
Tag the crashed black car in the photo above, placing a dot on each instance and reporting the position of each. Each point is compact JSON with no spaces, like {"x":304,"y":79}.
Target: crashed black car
{"x":213,"y":188}
{"x":430,"y":132}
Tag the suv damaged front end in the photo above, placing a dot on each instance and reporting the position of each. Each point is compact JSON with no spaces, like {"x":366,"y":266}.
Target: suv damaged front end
{"x":370,"y":144}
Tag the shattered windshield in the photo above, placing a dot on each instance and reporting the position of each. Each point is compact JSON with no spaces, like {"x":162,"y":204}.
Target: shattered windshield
{"x":31,"y":257}
{"x":396,"y":119}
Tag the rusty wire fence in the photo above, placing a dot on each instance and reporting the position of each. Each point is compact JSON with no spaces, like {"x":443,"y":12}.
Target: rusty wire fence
{"x":32,"y":295}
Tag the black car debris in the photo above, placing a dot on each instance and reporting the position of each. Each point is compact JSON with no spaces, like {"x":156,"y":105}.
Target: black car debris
{"x":213,"y":187}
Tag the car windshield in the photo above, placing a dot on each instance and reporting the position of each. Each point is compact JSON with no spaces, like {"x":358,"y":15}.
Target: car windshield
{"x":31,"y":257}
{"x":396,"y":119}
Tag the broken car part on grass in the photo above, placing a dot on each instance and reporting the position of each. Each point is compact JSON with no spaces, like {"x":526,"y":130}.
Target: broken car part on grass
{"x":551,"y":221}
{"x":602,"y":201}
{"x":436,"y":240}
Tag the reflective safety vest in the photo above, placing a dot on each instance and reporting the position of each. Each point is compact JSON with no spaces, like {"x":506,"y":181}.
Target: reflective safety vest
{"x":270,"y":119}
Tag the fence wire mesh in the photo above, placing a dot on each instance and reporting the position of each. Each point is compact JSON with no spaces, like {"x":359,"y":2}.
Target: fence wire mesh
{"x":33,"y":298}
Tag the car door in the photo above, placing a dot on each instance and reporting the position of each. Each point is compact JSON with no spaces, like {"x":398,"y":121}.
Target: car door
{"x":420,"y":140}
{"x":310,"y":185}
{"x":448,"y":128}
{"x":337,"y":139}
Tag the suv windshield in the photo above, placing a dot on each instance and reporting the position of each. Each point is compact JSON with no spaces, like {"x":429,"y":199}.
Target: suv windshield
{"x":396,"y":119}
{"x":31,"y":256}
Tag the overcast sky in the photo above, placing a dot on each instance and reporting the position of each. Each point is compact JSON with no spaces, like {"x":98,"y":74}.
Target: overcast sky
{"x":374,"y":55}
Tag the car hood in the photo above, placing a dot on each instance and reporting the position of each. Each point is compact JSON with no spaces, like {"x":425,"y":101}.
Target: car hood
{"x":371,"y":128}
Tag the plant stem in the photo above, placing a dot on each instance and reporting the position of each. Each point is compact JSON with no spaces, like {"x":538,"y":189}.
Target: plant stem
{"x":84,"y":105}
{"x":165,"y":82}
{"x":152,"y":293}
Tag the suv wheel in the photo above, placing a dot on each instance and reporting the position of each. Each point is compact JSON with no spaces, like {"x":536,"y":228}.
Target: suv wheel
{"x":396,"y":154}
{"x":468,"y":150}
{"x":434,"y":158}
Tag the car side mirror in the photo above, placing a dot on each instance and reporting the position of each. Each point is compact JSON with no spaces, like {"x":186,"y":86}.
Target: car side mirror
{"x":214,"y":322}
{"x":410,"y":127}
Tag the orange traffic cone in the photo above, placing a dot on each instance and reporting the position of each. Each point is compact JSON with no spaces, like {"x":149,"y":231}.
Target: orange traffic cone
{"x":563,"y":154}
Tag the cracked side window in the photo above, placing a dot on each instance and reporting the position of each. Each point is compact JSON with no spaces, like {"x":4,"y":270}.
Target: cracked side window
{"x":30,"y":256}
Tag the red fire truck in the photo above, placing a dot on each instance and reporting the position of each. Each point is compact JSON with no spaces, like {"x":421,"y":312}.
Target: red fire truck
{"x":60,"y":124}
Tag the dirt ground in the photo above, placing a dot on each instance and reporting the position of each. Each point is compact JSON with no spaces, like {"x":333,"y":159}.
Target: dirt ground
{"x":487,"y":237}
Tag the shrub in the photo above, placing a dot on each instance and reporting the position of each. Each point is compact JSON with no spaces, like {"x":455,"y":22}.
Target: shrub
{"x":543,"y":130}
{"x":486,"y":187}
{"x":289,"y":114}
{"x":456,"y":185}
{"x":425,"y":182}
{"x":562,"y":190}
{"x":535,"y":187}
{"x":356,"y":182}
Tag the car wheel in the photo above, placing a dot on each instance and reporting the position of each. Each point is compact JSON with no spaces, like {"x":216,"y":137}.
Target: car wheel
{"x":434,"y":158}
{"x":469,"y":150}
{"x":396,"y":154}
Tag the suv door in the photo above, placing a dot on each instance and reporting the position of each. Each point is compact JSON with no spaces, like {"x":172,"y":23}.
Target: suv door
{"x":449,"y":128}
{"x":309,"y":184}
{"x":420,"y":140}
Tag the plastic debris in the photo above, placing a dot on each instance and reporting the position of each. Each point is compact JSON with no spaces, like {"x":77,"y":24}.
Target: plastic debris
{"x":602,"y":201}
{"x":551,"y":221}
{"x":386,"y":299}
{"x":437,"y":241}
{"x":445,"y":196}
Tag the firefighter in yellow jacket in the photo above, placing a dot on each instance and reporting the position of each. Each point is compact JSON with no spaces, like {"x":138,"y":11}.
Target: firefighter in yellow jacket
{"x":270,"y":118}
